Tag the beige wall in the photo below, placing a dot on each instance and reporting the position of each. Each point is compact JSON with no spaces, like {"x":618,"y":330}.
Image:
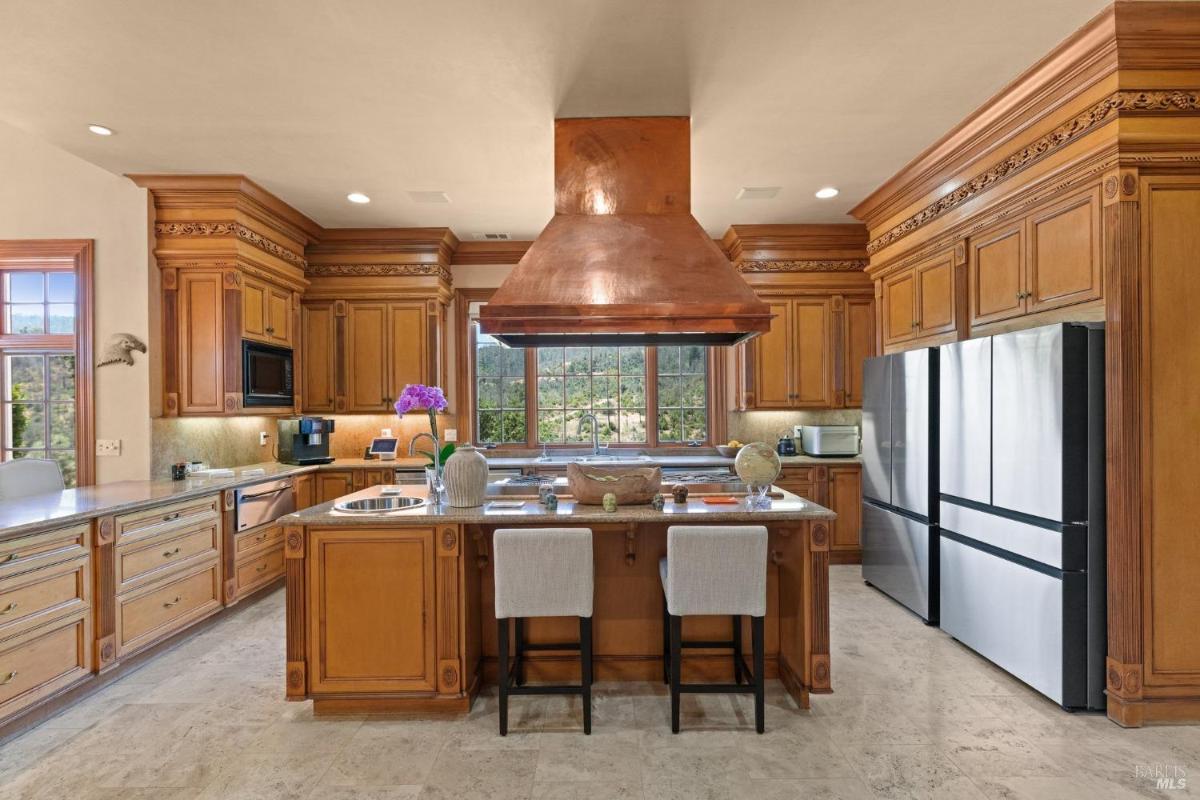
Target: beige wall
{"x":47,"y":193}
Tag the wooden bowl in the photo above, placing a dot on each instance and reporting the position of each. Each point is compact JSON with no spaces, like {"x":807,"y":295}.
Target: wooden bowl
{"x":727,"y":451}
{"x":631,"y":485}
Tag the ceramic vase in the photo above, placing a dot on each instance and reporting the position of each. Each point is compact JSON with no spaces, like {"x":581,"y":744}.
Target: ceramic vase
{"x":466,"y":477}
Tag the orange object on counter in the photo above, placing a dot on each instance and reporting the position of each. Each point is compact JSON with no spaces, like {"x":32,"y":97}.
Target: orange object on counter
{"x":723,"y":500}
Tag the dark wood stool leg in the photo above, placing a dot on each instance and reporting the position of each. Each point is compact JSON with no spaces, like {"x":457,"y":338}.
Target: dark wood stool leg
{"x":519,"y":652}
{"x":756,"y":634}
{"x":502,"y":658}
{"x":666,"y":619}
{"x":585,"y":658}
{"x":737,"y":649}
{"x":676,"y":631}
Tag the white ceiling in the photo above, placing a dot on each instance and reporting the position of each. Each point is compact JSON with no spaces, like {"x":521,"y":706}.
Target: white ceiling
{"x":317,"y":98}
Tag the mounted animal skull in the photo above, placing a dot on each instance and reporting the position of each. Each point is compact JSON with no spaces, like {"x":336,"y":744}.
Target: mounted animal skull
{"x":119,"y":349}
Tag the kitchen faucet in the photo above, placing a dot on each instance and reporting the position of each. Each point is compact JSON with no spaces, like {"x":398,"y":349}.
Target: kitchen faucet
{"x":437,"y":465}
{"x":595,"y":431}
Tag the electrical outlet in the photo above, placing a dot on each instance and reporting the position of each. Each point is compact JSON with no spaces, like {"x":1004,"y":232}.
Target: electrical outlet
{"x":451,"y":434}
{"x":108,"y":447}
{"x":263,"y":436}
{"x":386,"y":433}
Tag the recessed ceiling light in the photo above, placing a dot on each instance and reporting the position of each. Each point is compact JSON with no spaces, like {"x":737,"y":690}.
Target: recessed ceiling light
{"x":100,"y":130}
{"x":429,"y":197}
{"x":757,"y":192}
{"x":358,"y":197}
{"x":827,"y":192}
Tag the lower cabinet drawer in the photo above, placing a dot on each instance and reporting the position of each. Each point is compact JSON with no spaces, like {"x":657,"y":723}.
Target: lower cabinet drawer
{"x":255,"y":539}
{"x":139,"y":564}
{"x":40,"y":662}
{"x":147,"y":615}
{"x":32,"y":598}
{"x":259,"y":571}
{"x":42,"y":549}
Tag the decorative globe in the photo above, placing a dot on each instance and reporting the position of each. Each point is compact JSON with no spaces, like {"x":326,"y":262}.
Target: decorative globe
{"x":757,"y":464}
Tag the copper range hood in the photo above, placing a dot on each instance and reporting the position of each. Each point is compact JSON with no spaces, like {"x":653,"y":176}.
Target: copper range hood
{"x":622,"y":261}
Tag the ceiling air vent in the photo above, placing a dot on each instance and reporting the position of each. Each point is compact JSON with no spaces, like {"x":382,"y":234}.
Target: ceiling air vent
{"x":495,"y":237}
{"x":429,"y":197}
{"x":757,"y":192}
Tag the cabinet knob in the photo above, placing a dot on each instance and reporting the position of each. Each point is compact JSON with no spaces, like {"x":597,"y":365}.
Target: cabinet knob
{"x":261,"y":568}
{"x":11,"y":608}
{"x":169,"y":553}
{"x":9,"y":679}
{"x":174,"y":602}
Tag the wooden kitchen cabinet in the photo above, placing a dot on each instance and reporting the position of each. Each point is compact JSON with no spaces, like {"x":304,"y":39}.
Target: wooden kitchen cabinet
{"x":407,"y":347}
{"x":812,"y":356}
{"x":319,"y":337}
{"x":372,"y":623}
{"x":899,"y":307}
{"x":1046,"y":260}
{"x":200,"y":353}
{"x":366,"y":357}
{"x":332,"y":484}
{"x":921,"y":300}
{"x":845,"y":499}
{"x":305,"y":488}
{"x":266,"y":312}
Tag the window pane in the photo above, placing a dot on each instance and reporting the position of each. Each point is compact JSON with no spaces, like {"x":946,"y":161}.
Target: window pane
{"x":669,"y":425}
{"x":489,"y":427}
{"x":550,"y":426}
{"x":604,"y":391}
{"x":604,"y":360}
{"x":668,"y":391}
{"x":25,"y":319}
{"x":514,"y":362}
{"x":550,"y":393}
{"x":66,"y":462}
{"x":26,"y":425}
{"x":62,"y":425}
{"x":514,"y":393}
{"x":60,"y":287}
{"x":489,"y":393}
{"x":633,"y":360}
{"x":26,"y":287}
{"x":62,"y":377}
{"x":489,"y":360}
{"x":693,"y":391}
{"x":579,"y":392}
{"x":514,"y":426}
{"x":578,"y":361}
{"x":25,"y":377}
{"x":633,"y":425}
{"x":694,"y":424}
{"x":633,"y":392}
{"x":692,"y":359}
{"x":550,"y":360}
{"x":668,"y":361}
{"x":61,"y":318}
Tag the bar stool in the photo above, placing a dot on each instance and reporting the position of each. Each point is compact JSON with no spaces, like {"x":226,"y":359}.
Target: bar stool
{"x":715,"y":570}
{"x":543,"y":572}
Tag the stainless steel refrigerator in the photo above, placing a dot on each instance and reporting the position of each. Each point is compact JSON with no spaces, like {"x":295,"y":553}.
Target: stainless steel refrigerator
{"x":1022,"y":506}
{"x":899,"y":452}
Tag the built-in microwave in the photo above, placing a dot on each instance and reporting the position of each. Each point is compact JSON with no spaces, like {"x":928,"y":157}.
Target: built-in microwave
{"x":266,"y":375}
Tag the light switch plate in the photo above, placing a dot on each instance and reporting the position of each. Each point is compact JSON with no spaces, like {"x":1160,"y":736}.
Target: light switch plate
{"x":108,"y":447}
{"x":451,"y":434}
{"x":262,"y":438}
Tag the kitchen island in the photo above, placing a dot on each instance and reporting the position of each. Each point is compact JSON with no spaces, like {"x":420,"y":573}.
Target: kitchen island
{"x":392,"y":611}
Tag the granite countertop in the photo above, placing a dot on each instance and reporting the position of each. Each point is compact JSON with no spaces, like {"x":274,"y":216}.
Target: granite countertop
{"x":56,"y":509}
{"x":787,"y":507}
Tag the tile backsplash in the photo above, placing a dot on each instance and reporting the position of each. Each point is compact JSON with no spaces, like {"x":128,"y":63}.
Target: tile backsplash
{"x":233,"y":441}
{"x":768,"y":426}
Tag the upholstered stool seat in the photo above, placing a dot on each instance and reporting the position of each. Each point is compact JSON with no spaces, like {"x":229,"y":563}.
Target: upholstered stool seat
{"x":715,"y":570}
{"x":543,"y":572}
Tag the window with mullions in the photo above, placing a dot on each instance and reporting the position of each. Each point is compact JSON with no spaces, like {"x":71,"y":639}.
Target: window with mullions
{"x":39,"y":302}
{"x":499,"y":392}
{"x":609,"y":382}
{"x":39,"y":408}
{"x":682,"y":394}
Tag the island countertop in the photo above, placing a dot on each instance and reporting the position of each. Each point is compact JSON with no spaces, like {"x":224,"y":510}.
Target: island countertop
{"x":785,"y":506}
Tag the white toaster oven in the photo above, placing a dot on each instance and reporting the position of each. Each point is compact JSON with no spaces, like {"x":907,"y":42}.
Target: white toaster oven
{"x":828,"y":440}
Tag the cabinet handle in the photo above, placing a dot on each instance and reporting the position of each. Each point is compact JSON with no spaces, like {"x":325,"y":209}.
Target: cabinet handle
{"x":270,"y":330}
{"x":170,"y":553}
{"x":170,"y":517}
{"x":261,"y":568}
{"x":914,"y":324}
{"x":10,"y":557}
{"x":262,"y":537}
{"x":9,"y":679}
{"x":11,"y":608}
{"x":174,"y":602}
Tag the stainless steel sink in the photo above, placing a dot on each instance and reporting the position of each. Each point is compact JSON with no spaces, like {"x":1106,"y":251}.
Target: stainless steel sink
{"x":367,"y":505}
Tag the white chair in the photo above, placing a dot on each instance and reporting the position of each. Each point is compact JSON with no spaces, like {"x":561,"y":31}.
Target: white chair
{"x":715,"y":570}
{"x":23,"y":477}
{"x":543,"y":572}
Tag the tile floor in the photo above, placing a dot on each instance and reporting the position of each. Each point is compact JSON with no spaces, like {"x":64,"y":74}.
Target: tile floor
{"x":915,"y":715}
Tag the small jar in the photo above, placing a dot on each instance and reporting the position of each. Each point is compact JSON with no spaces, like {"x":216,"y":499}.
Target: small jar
{"x":610,"y":502}
{"x":658,"y":502}
{"x":679,"y":493}
{"x":551,"y":502}
{"x":544,"y":492}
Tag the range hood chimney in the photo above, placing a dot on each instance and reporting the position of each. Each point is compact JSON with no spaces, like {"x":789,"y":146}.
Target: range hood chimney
{"x":623,"y":261}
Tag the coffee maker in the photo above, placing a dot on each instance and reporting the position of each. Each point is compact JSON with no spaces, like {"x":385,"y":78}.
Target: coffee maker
{"x":304,"y":440}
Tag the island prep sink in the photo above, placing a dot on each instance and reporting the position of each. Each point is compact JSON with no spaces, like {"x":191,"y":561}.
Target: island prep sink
{"x":364,"y":505}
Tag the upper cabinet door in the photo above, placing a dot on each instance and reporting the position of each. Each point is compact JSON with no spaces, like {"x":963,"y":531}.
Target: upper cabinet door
{"x":812,"y":325}
{"x":858,"y":338}
{"x":1064,"y":245}
{"x":935,"y":294}
{"x":201,"y":345}
{"x":367,"y":357}
{"x":279,"y":316}
{"x":408,"y":346}
{"x":319,"y":352}
{"x":254,"y":309}
{"x":899,"y":307}
{"x":773,"y":357}
{"x":997,"y":273}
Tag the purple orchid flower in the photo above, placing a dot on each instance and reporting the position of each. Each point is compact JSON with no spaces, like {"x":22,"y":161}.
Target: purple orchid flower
{"x":419,"y":397}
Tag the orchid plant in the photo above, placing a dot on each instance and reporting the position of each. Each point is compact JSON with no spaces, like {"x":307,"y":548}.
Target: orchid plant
{"x":431,"y":399}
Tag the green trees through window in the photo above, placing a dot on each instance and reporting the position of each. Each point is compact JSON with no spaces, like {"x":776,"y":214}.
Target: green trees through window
{"x":39,"y":408}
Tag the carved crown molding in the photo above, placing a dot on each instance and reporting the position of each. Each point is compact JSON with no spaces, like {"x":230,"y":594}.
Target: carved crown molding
{"x":230,"y":229}
{"x":1165,"y":101}
{"x":796,"y":265}
{"x":360,"y":270}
